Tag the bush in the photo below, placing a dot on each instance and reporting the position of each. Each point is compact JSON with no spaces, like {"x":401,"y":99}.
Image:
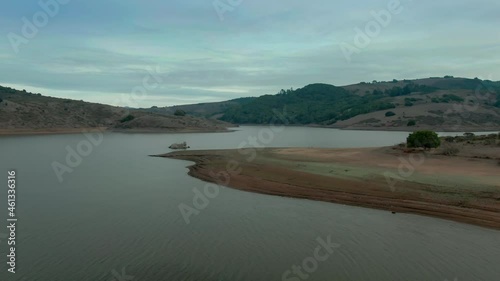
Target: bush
{"x":1,"y":100}
{"x":411,"y":123}
{"x":127,"y":119}
{"x":424,"y":139}
{"x":450,"y":150}
{"x":389,"y":114}
{"x":179,"y":112}
{"x":489,"y":142}
{"x":449,"y":139}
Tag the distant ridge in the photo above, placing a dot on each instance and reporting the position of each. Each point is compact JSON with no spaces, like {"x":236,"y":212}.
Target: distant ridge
{"x":447,"y":103}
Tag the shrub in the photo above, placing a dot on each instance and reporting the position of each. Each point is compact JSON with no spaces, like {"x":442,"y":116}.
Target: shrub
{"x":180,"y":112}
{"x":424,"y":139}
{"x":127,"y":118}
{"x":489,"y":142}
{"x":469,"y":135}
{"x":450,"y":150}
{"x":411,"y":123}
{"x":1,"y":100}
{"x":389,"y":114}
{"x":449,"y":139}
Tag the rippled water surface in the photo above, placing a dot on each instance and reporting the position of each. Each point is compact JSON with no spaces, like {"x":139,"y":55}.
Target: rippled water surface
{"x":118,"y":212}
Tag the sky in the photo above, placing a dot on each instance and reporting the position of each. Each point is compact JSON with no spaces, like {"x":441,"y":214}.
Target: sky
{"x":172,"y":52}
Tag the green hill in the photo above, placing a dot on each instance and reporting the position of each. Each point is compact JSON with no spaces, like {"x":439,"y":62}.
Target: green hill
{"x":443,"y":103}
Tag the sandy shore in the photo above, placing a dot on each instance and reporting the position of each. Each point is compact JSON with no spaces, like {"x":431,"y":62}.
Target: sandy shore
{"x":463,"y":189}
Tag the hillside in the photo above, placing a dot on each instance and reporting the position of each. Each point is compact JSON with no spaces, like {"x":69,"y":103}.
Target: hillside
{"x":24,"y":112}
{"x":447,"y":104}
{"x":210,"y":110}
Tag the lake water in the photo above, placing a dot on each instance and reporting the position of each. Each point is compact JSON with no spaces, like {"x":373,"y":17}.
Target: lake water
{"x":118,"y":212}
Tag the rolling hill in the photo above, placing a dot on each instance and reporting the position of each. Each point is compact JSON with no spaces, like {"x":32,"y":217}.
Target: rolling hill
{"x":24,"y":112}
{"x":447,"y":104}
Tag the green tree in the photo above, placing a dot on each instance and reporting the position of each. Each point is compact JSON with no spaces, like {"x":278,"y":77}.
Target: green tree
{"x":180,"y":112}
{"x":128,"y":118}
{"x":411,"y":123}
{"x":424,"y":139}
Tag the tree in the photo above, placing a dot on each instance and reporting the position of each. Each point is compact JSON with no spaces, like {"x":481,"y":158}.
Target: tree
{"x":180,"y":112}
{"x":424,"y":139}
{"x":129,"y":117}
{"x":469,"y":135}
{"x":411,"y":123}
{"x":497,"y":104}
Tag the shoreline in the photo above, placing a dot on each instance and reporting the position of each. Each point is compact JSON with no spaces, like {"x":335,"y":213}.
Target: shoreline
{"x":64,"y":131}
{"x":68,"y":131}
{"x":355,"y":177}
{"x":404,"y":129}
{"x":48,"y":131}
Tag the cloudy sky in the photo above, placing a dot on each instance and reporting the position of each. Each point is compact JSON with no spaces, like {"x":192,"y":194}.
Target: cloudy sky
{"x":203,"y":51}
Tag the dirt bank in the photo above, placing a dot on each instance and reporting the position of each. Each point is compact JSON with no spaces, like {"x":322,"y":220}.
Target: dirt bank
{"x":464,"y":189}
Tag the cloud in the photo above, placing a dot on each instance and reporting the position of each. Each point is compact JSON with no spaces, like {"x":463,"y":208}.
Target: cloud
{"x":96,"y":50}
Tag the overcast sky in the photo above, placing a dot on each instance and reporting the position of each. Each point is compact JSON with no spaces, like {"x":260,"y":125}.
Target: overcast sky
{"x":102,"y":50}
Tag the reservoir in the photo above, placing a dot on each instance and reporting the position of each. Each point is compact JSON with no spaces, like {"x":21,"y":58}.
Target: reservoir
{"x":115,"y":216}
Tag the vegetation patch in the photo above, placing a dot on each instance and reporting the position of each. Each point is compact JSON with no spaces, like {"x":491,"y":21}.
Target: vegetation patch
{"x":180,"y":112}
{"x":447,"y":99}
{"x":423,"y":139}
{"x":450,"y":150}
{"x":128,"y":118}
